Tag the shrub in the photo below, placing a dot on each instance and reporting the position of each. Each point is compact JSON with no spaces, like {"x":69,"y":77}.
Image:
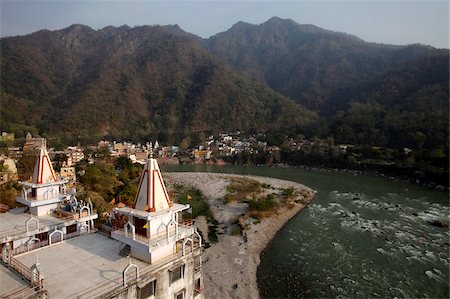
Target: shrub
{"x":262,"y":204}
{"x":196,"y":201}
{"x":236,"y":230}
{"x":241,"y":188}
{"x":288,"y":191}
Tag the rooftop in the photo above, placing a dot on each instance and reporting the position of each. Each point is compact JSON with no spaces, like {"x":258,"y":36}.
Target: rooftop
{"x":13,"y":222}
{"x":75,"y":265}
{"x":11,"y":280}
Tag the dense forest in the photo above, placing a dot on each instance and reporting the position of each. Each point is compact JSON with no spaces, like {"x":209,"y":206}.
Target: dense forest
{"x":279,"y":78}
{"x":373,"y":94}
{"x":132,"y":83}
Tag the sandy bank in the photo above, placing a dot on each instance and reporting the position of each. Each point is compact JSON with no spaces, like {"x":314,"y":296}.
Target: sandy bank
{"x":229,"y":266}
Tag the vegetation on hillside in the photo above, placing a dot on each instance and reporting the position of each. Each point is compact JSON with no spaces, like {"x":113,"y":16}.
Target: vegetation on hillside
{"x":279,"y":78}
{"x":157,"y":82}
{"x":199,"y":206}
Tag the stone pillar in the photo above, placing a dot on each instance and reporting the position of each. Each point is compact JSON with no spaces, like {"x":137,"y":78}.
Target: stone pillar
{"x":36,"y":276}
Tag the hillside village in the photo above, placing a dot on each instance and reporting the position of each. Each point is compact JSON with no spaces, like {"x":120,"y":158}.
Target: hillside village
{"x":228,"y":148}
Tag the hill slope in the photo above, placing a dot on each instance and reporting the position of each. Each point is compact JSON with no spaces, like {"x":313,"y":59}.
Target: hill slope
{"x":160,"y":81}
{"x":335,"y":74}
{"x":307,"y":63}
{"x":131,"y":83}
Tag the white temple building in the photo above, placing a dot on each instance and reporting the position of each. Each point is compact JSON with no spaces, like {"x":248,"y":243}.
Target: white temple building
{"x":49,"y":207}
{"x":155,"y":231}
{"x":152,"y":251}
{"x":44,"y":192}
{"x":51,"y":215}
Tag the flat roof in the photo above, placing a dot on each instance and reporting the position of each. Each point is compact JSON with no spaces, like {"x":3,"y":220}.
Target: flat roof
{"x":13,"y":222}
{"x":10,"y":281}
{"x":72,"y":266}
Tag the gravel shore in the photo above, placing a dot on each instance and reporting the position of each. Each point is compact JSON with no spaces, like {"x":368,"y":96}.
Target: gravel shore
{"x":229,"y":266}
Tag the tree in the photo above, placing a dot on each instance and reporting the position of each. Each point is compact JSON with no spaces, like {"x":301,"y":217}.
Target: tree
{"x":25,"y":167}
{"x":100,"y":178}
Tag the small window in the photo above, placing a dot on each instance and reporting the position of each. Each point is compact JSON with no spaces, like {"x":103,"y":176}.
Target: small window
{"x":148,"y":290}
{"x":180,"y":294}
{"x":176,"y":273}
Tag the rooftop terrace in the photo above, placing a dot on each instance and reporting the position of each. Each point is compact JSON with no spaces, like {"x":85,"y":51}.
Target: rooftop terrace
{"x":82,"y":267}
{"x":12,"y":223}
{"x":77,"y":264}
{"x":10,"y":282}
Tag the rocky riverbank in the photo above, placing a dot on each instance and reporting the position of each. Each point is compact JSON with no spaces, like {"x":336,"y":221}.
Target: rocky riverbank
{"x":229,"y":266}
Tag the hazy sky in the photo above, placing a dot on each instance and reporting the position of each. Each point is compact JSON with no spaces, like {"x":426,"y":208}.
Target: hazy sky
{"x":389,"y":21}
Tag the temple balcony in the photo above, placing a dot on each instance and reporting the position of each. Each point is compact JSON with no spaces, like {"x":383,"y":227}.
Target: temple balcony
{"x":169,"y":236}
{"x":82,"y":215}
{"x":30,"y":199}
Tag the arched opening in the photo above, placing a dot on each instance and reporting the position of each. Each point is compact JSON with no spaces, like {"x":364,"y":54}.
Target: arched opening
{"x":36,"y":279}
{"x":6,"y":253}
{"x":49,"y":193}
{"x":199,"y":238}
{"x":161,"y":231}
{"x":130,"y":276}
{"x":129,"y":229}
{"x":32,"y":224}
{"x":172,"y":229}
{"x":85,"y":211}
{"x":188,"y":249}
{"x":55,"y":237}
{"x":84,"y":228}
{"x":33,"y":243}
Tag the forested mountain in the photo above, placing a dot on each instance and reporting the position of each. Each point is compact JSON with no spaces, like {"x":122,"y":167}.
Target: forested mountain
{"x":307,"y":63}
{"x":406,"y":107}
{"x":132,"y":83}
{"x":160,"y":81}
{"x":369,"y":93}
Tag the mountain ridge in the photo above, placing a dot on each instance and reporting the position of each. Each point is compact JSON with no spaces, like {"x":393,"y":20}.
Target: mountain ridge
{"x":163,"y":79}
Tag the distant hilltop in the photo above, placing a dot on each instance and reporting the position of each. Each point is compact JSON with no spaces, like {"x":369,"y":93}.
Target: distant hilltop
{"x":278,"y":77}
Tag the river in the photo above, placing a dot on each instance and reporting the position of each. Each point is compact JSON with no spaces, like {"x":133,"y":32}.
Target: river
{"x":360,"y":237}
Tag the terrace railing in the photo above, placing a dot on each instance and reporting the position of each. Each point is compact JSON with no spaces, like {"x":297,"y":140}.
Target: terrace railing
{"x":21,"y":293}
{"x":40,"y":244}
{"x":45,"y":224}
{"x":21,"y":269}
{"x":161,"y":237}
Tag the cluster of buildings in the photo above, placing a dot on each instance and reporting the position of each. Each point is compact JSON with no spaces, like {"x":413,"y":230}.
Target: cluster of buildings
{"x":138,"y":153}
{"x":211,"y":151}
{"x":51,"y":246}
{"x":231,"y":144}
{"x":71,"y":156}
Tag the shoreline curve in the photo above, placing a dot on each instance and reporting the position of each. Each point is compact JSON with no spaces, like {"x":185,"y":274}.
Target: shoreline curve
{"x":230,"y":265}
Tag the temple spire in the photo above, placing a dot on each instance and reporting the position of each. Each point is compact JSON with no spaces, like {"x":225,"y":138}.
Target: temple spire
{"x":43,"y":170}
{"x":152,"y":195}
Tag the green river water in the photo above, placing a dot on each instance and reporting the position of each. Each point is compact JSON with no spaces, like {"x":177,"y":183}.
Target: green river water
{"x":360,"y":237}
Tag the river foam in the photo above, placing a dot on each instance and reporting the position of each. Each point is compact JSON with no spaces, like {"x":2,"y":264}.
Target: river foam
{"x":375,"y":246}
